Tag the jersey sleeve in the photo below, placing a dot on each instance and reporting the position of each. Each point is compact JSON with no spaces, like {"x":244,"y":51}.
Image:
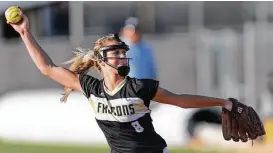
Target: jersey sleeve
{"x":147,"y":88}
{"x":88,"y":84}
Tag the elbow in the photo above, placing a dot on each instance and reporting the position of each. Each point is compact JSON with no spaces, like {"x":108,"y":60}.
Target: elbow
{"x":45,"y":70}
{"x":182,"y":104}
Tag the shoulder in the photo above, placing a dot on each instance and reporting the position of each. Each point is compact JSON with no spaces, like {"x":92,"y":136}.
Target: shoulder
{"x":89,"y":84}
{"x":86,"y":76}
{"x":141,"y":82}
{"x":145,"y":88}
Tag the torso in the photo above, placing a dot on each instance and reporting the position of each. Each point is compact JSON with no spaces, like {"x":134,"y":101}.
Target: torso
{"x":124,"y":115}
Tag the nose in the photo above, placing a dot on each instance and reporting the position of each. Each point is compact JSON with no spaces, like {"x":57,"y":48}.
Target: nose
{"x":122,"y":55}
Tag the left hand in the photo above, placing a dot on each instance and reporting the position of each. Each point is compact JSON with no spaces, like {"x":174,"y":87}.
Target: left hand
{"x":228,"y":105}
{"x":241,"y":123}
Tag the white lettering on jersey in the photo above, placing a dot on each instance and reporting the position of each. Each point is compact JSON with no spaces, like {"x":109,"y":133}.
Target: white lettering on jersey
{"x":121,"y":110}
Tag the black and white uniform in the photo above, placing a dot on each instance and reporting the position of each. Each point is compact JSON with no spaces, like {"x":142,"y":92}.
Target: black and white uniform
{"x":124,"y":115}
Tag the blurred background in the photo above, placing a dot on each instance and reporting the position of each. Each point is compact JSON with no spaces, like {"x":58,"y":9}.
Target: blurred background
{"x":220,"y":49}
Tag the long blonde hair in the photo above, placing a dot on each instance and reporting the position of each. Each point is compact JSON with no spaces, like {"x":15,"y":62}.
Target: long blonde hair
{"x":85,"y":59}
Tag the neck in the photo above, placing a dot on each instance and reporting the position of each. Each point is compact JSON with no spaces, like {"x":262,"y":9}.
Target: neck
{"x":112,"y":81}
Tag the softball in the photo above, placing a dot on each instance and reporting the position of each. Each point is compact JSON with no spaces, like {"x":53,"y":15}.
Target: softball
{"x":12,"y":14}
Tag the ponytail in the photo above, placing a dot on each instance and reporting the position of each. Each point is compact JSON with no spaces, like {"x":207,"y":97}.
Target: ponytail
{"x":81,"y":63}
{"x":86,"y":59}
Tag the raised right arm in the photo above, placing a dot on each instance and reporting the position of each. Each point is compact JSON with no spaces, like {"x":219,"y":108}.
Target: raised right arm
{"x":43,"y":61}
{"x":46,"y":65}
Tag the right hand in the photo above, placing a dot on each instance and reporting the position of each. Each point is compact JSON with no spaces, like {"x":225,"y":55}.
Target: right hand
{"x":22,"y":26}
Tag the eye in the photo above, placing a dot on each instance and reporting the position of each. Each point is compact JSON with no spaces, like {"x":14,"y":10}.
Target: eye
{"x":123,"y":52}
{"x":116,"y":52}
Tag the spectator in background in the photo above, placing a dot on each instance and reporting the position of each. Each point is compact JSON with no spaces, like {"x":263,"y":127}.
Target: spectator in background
{"x":143,"y":64}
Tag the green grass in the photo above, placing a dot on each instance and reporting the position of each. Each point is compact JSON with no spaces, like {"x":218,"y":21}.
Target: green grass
{"x":7,"y":147}
{"x":45,"y":148}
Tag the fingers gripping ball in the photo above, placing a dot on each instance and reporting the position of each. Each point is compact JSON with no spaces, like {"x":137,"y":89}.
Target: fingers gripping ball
{"x":12,"y":14}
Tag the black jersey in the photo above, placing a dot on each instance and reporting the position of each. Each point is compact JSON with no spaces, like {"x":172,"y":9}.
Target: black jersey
{"x":124,"y":115}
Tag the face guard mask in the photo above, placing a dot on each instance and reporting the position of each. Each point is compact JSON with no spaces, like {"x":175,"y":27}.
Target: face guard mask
{"x":122,"y":70}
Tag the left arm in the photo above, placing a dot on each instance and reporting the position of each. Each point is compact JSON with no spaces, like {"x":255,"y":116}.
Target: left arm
{"x":189,"y":101}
